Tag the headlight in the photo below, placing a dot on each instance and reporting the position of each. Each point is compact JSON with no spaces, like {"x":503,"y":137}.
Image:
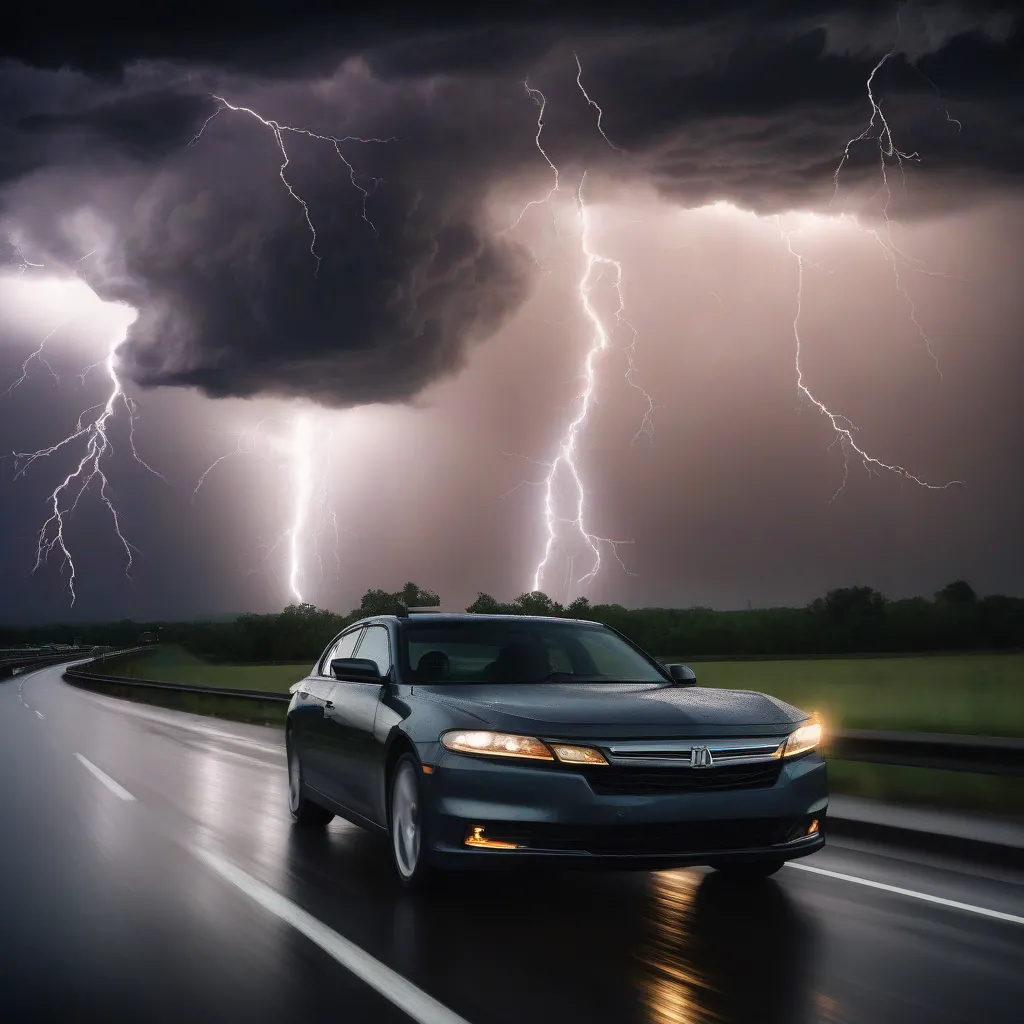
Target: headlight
{"x":495,"y":744}
{"x":569,"y":754}
{"x":807,"y":737}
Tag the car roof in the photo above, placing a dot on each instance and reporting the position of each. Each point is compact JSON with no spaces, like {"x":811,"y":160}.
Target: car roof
{"x":441,"y":617}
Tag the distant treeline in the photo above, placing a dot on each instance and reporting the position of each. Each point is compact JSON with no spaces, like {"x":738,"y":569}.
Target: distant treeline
{"x":853,"y":620}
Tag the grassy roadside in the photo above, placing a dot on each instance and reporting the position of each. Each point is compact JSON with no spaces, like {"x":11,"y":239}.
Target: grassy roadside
{"x":927,"y":787}
{"x":973,"y":694}
{"x":171,"y":664}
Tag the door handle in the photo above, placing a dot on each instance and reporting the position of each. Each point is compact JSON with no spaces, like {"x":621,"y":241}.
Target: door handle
{"x":328,"y":706}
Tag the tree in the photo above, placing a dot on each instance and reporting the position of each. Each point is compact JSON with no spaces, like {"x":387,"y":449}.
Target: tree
{"x":959,"y":592}
{"x":851,"y":617}
{"x":535,"y":603}
{"x":413,"y":596}
{"x":378,"y":602}
{"x":486,"y":605}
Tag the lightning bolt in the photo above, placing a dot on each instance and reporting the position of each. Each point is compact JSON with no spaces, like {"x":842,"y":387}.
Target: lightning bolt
{"x":18,"y":257}
{"x":297,"y":447}
{"x":564,"y":465}
{"x":95,"y":437}
{"x":278,"y":130}
{"x":841,"y":425}
{"x":302,"y":489}
{"x":880,"y":132}
{"x":37,"y":355}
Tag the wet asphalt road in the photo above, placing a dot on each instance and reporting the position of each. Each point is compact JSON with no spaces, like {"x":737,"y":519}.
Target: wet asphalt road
{"x":109,"y":911}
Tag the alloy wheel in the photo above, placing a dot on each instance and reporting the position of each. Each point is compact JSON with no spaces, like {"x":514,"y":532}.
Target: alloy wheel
{"x":294,"y":780}
{"x":405,"y":820}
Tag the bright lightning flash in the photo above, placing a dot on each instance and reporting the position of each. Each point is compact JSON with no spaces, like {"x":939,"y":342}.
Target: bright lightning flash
{"x":568,"y":447}
{"x":596,"y":266}
{"x":302,"y":486}
{"x":298,"y":448}
{"x":94,"y":434}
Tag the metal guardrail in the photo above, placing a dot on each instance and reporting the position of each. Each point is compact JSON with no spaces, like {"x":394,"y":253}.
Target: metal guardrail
{"x":10,"y":666}
{"x":81,"y":674}
{"x":987,"y":755}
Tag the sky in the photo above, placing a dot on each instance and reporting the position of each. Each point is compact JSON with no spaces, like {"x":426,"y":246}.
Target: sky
{"x":716,"y":307}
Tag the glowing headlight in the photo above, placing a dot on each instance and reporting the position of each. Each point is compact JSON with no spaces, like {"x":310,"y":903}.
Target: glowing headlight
{"x":807,"y":737}
{"x":495,"y":744}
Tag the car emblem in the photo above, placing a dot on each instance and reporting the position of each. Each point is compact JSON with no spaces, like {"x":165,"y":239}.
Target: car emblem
{"x":700,"y":757}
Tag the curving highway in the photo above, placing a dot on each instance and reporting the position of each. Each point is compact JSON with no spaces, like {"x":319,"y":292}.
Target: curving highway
{"x":149,"y":872}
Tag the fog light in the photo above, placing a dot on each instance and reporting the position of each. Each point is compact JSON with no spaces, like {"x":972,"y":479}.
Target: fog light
{"x":813,"y":827}
{"x":477,"y":838}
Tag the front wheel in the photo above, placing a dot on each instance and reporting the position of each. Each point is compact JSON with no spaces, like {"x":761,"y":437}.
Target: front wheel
{"x":405,"y":823}
{"x":303,"y":811}
{"x":745,"y":871}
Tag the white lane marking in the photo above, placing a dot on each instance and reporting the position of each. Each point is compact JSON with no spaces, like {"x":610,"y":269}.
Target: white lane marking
{"x":398,"y":990}
{"x":106,"y":779}
{"x":999,"y":915}
{"x":39,"y":713}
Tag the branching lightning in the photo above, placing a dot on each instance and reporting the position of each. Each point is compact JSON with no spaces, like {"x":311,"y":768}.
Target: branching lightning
{"x":37,"y":355}
{"x":843,"y":427}
{"x":278,"y":131}
{"x":298,"y":448}
{"x":568,"y":446}
{"x":565,"y":466}
{"x":95,"y":436}
{"x":879,"y":130}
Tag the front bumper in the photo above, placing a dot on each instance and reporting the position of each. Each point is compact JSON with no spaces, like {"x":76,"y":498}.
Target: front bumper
{"x":555,"y":816}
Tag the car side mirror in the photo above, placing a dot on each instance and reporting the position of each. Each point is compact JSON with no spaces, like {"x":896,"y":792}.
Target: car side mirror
{"x":357,"y":670}
{"x":682,"y":675}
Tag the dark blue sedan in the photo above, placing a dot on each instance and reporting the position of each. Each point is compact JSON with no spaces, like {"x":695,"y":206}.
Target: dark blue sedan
{"x":490,"y":740}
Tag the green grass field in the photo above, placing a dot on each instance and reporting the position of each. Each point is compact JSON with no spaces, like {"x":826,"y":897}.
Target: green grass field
{"x":978,"y":694}
{"x":171,"y":664}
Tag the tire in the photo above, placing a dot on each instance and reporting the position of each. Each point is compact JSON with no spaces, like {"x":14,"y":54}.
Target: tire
{"x":749,"y":870}
{"x":405,"y":822}
{"x":302,"y":809}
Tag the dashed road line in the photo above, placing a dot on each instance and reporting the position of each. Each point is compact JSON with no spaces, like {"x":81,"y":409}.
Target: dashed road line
{"x":107,"y":781}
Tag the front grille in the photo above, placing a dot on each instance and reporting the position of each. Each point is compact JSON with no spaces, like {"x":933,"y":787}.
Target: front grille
{"x":641,"y":840}
{"x":613,"y":780}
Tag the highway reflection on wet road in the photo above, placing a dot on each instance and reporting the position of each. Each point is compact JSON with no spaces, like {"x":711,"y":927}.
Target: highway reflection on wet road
{"x":673,"y":947}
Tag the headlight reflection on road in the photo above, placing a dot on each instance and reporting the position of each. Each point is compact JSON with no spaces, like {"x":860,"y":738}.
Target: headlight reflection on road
{"x":671,"y":986}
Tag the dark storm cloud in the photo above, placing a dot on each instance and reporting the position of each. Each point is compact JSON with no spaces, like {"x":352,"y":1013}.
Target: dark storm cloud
{"x":142,"y":127}
{"x":747,"y":102}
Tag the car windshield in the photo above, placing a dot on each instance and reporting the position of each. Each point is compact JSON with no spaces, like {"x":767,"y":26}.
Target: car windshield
{"x":498,"y":651}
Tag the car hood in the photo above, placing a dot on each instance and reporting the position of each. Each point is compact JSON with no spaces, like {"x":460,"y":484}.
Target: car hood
{"x":616,"y":709}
